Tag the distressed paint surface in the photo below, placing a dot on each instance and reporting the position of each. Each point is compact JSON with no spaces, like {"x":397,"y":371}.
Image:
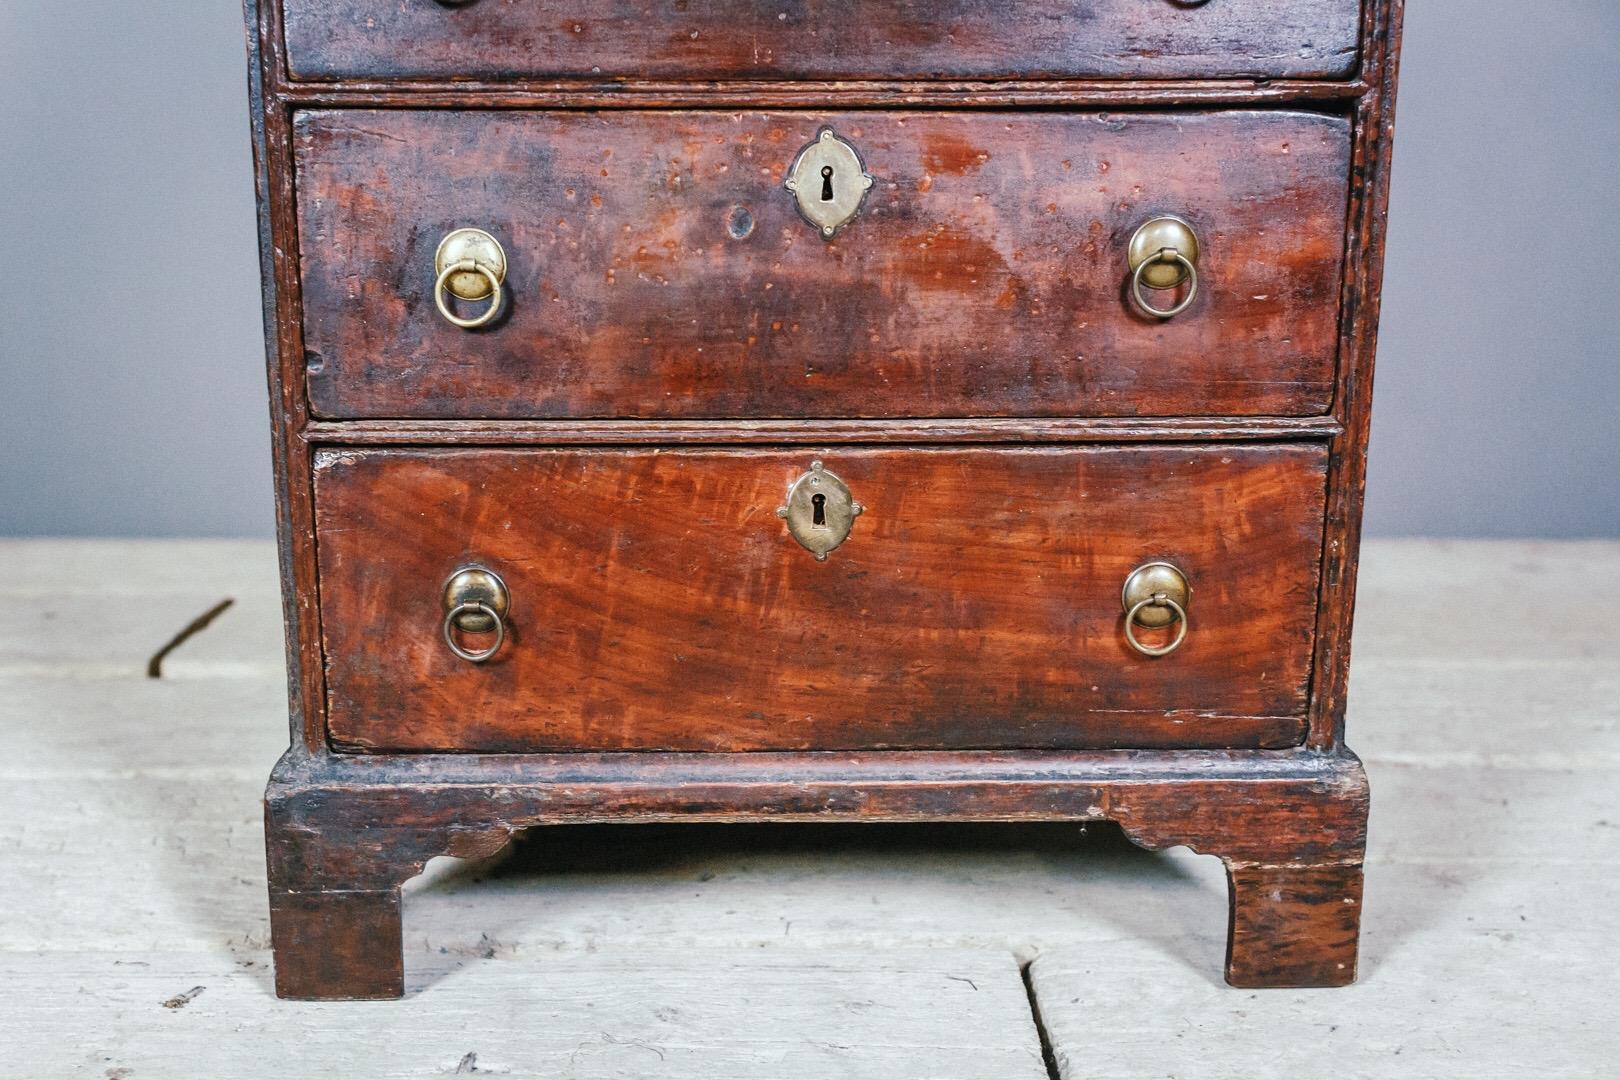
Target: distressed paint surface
{"x":982,"y":39}
{"x":657,"y":268}
{"x":659,"y":603}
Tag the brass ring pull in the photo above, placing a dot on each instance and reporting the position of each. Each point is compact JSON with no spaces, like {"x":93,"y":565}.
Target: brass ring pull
{"x":468,"y":266}
{"x":475,"y":601}
{"x":471,"y":264}
{"x":1155,"y":595}
{"x":1165,"y":255}
{"x":472,"y":607}
{"x":1156,"y":600}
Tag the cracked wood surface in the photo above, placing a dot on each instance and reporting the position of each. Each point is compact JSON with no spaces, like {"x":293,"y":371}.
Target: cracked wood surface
{"x":132,"y":872}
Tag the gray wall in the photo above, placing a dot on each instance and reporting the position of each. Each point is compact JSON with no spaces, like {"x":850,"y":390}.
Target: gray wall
{"x":132,"y":396}
{"x":1496,"y":410}
{"x":132,"y":390}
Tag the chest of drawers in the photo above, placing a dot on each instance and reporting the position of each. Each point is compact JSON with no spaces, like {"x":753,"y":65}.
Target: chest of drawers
{"x":819,"y":409}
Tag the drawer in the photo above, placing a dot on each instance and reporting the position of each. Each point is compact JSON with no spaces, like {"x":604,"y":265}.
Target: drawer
{"x":821,"y":39}
{"x":656,"y":267}
{"x":658,"y":602}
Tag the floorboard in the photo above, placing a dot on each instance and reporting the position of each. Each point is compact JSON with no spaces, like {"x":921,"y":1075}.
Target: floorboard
{"x":131,"y":872}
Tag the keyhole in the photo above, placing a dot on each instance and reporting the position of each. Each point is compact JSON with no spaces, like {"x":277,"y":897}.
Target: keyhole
{"x":826,"y":183}
{"x":818,"y":510}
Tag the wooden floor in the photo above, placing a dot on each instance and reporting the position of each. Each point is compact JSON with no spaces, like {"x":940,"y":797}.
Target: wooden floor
{"x":1485,"y":700}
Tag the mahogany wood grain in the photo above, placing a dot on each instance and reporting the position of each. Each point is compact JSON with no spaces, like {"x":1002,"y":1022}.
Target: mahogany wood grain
{"x":659,"y":603}
{"x":962,"y":430}
{"x":344,"y":829}
{"x":1291,"y":827}
{"x":1107,"y":94}
{"x":337,"y":943}
{"x":289,"y":452}
{"x":825,"y":39}
{"x":1294,"y":924}
{"x":658,"y":268}
{"x":1363,"y":295}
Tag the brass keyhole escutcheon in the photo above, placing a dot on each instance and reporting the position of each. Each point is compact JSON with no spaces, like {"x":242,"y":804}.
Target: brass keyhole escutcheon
{"x":829,"y":182}
{"x":820,"y":511}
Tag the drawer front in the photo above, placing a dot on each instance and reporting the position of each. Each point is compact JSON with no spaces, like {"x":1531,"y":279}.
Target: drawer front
{"x":658,"y":601}
{"x":821,"y":39}
{"x":657,"y":267}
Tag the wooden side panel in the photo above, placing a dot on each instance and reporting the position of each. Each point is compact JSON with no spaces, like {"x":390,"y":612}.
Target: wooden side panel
{"x":1367,"y":222}
{"x":659,"y":603}
{"x":659,"y":269}
{"x":978,"y":39}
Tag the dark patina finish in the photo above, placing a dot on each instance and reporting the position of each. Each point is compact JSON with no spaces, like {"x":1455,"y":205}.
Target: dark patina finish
{"x":555,"y":353}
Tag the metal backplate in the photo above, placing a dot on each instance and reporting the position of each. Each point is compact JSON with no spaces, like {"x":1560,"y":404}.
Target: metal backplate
{"x":1164,"y":231}
{"x":473,"y":245}
{"x":819,"y":511}
{"x":1152,"y":579}
{"x":476,"y":585}
{"x":830,"y":183}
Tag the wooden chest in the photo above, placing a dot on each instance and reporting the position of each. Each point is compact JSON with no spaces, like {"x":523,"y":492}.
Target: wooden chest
{"x":815,"y":409}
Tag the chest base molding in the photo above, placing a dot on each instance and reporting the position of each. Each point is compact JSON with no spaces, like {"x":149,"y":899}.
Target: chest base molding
{"x":344,"y":832}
